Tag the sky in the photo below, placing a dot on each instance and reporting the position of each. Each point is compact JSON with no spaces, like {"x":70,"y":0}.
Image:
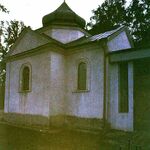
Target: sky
{"x":32,"y":11}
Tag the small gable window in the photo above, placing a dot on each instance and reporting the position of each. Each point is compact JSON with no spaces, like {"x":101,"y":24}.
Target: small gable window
{"x":25,"y":78}
{"x":82,"y":76}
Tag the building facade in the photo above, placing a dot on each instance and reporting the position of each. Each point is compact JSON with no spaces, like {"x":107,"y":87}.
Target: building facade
{"x":60,"y":75}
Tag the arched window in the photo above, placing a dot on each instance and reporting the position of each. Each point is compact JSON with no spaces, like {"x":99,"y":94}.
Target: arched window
{"x":82,"y":76}
{"x":25,"y":78}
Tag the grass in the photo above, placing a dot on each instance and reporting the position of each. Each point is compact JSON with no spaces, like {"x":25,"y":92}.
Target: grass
{"x":17,"y":138}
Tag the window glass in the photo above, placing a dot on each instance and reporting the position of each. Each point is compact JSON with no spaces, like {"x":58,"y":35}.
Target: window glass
{"x":25,"y":78}
{"x":123,"y":81}
{"x":82,"y":76}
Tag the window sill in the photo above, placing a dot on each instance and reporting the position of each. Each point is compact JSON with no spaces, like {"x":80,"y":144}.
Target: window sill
{"x":81,"y":91}
{"x":25,"y":91}
{"x":123,"y":113}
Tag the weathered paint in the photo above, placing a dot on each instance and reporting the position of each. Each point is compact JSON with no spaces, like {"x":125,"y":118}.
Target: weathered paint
{"x":29,"y":41}
{"x":54,"y":92}
{"x":64,"y":35}
{"x":34,"y":101}
{"x":54,"y":73}
{"x":120,"y":42}
{"x":122,"y":121}
{"x":89,"y":103}
{"x":130,"y":55}
{"x":57,"y":84}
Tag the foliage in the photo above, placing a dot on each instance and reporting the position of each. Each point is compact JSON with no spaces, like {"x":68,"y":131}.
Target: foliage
{"x":140,"y":21}
{"x":107,"y":17}
{"x":111,"y":15}
{"x":3,"y":9}
{"x":9,"y":32}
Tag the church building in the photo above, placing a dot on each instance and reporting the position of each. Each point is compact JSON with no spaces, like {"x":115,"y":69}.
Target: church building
{"x":60,"y":75}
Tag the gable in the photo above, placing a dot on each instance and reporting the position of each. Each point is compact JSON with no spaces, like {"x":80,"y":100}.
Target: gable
{"x":120,"y":41}
{"x":28,"y":40}
{"x":63,"y":34}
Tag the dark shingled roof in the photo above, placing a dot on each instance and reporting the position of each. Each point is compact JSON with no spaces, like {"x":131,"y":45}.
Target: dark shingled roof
{"x":97,"y":37}
{"x":63,"y":15}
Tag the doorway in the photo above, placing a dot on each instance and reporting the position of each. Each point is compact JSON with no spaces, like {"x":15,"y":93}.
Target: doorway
{"x":142,"y":94}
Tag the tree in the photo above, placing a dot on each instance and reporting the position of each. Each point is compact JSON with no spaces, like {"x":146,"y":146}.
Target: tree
{"x":108,"y":16}
{"x":111,"y":15}
{"x":139,"y":20}
{"x":9,"y":32}
{"x":3,"y":9}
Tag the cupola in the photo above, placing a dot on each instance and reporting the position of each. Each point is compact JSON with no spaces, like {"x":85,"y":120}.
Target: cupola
{"x":63,"y":15}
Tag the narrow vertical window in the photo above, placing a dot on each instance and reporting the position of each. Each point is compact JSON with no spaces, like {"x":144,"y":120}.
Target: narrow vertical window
{"x":25,"y":78}
{"x":123,"y":92}
{"x":82,"y":76}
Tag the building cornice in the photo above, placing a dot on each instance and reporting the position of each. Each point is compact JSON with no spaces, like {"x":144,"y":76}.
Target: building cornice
{"x":86,"y":46}
{"x":36,"y":51}
{"x":43,"y":29}
{"x":129,"y":54}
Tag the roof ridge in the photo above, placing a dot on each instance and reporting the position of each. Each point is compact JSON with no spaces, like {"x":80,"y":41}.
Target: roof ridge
{"x":96,"y":37}
{"x":114,"y":30}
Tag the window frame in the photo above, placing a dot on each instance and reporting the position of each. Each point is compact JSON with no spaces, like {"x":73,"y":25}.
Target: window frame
{"x":21,"y":90}
{"x":120,"y":100}
{"x":87,"y":89}
{"x":80,"y":74}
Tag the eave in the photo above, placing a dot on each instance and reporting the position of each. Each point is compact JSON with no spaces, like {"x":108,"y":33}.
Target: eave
{"x":35,"y":51}
{"x":129,"y":54}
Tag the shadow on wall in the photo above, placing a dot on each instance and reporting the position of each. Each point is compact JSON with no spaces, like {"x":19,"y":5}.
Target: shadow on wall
{"x":2,"y":95}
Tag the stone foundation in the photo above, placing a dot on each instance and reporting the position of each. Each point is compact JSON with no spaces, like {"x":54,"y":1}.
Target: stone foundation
{"x":26,"y":120}
{"x":1,"y":114}
{"x":83,"y":123}
{"x":54,"y":121}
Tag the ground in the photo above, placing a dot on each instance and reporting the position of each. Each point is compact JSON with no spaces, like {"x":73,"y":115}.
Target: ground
{"x":18,"y":138}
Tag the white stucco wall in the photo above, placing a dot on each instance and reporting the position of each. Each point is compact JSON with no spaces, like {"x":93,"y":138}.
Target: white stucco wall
{"x":64,"y":35}
{"x":58,"y":87}
{"x":36,"y":101}
{"x":54,"y":79}
{"x":122,"y":121}
{"x":29,"y":41}
{"x":88,"y":104}
{"x":120,"y":42}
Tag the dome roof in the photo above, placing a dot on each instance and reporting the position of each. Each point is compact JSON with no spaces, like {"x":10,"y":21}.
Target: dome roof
{"x":63,"y":15}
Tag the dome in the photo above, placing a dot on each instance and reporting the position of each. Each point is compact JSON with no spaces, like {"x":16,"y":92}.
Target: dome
{"x":63,"y":15}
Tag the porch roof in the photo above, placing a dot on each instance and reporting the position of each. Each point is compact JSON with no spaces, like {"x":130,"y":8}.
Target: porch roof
{"x":129,"y":54}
